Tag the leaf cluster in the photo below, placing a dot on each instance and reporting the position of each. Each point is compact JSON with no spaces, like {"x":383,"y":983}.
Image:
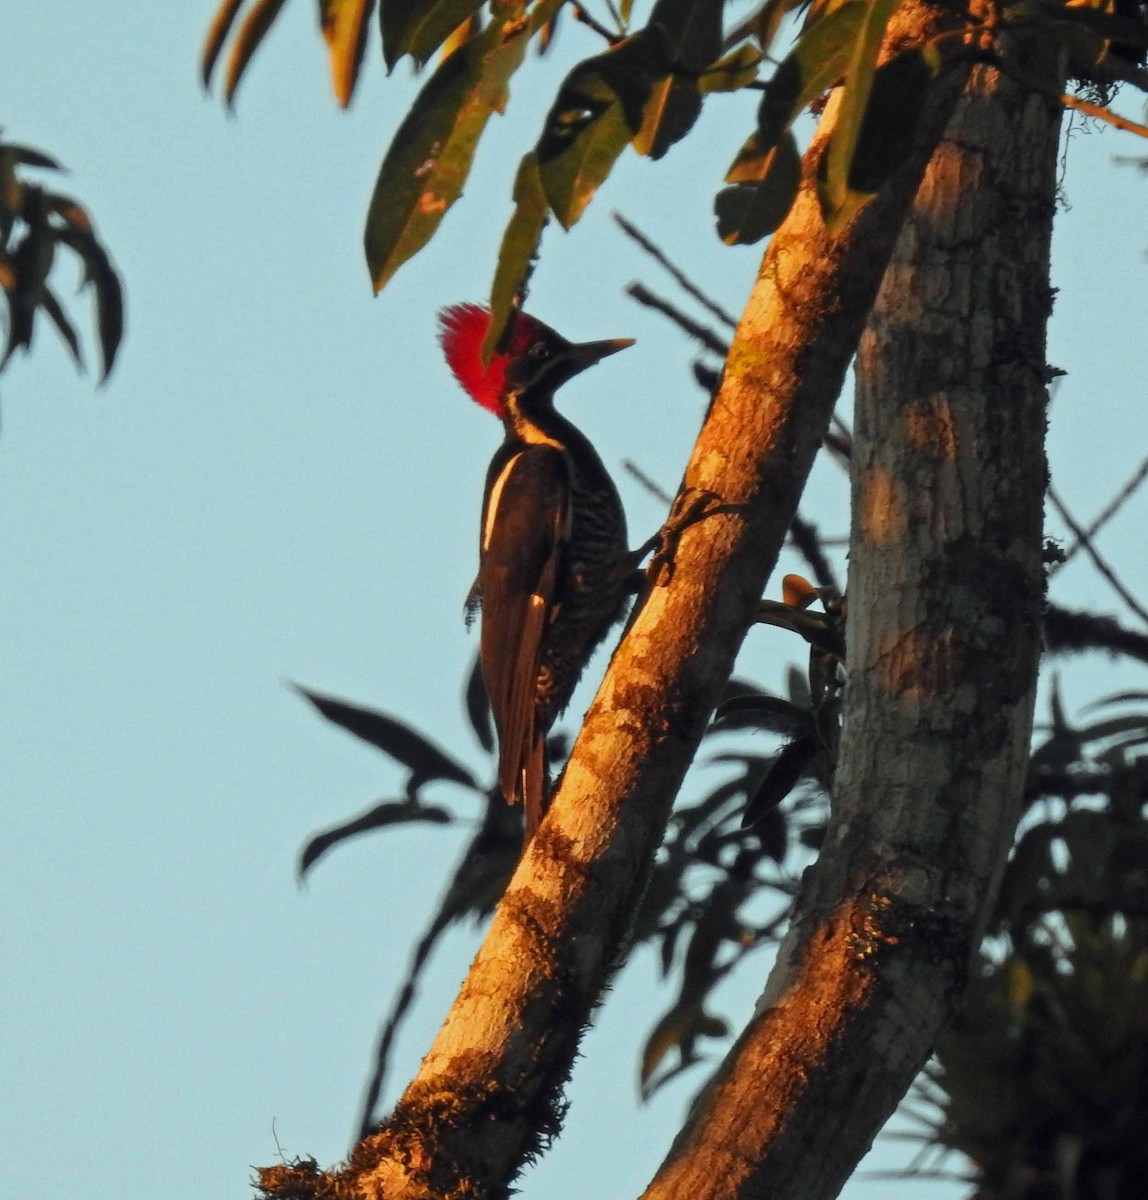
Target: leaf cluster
{"x":644,"y":91}
{"x":34,"y":223}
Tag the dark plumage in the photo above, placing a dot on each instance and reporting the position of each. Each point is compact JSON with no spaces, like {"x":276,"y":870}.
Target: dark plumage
{"x":552,"y":575}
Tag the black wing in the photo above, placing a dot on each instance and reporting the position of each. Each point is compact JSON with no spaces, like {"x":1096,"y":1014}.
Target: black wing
{"x":525,"y":529}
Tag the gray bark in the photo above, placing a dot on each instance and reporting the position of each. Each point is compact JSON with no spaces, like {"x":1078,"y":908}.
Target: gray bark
{"x":945,"y":597}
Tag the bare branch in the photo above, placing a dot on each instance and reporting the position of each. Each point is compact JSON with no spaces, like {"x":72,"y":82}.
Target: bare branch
{"x":679,"y":276}
{"x":1098,"y":562}
{"x":698,"y":332}
{"x":1110,"y":510}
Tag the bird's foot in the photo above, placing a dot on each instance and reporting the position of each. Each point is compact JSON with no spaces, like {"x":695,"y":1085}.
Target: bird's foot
{"x":691,"y":506}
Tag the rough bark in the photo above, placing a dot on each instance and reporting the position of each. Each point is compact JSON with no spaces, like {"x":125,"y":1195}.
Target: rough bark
{"x":945,"y":596}
{"x":488,"y":1093}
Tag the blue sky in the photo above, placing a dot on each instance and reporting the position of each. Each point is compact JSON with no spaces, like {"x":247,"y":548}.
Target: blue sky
{"x":281,"y":482}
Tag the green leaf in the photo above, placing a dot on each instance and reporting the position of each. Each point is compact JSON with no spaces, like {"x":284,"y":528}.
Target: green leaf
{"x":769,"y":19}
{"x":764,"y":186}
{"x":736,"y":70}
{"x":693,"y":39}
{"x":518,"y":250}
{"x":854,"y":100}
{"x":247,"y":41}
{"x":344,"y":25}
{"x":428,"y":161}
{"x":596,"y":113}
{"x":419,"y":27}
{"x":890,"y":122}
{"x":692,"y":29}
{"x":816,"y":63}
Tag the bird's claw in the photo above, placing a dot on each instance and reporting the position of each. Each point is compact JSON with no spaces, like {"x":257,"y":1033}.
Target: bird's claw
{"x":690,"y":506}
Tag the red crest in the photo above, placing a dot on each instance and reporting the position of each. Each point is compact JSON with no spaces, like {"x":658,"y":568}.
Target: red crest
{"x":462,"y":329}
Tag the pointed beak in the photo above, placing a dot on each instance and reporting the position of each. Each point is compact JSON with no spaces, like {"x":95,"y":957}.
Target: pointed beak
{"x":585,"y":354}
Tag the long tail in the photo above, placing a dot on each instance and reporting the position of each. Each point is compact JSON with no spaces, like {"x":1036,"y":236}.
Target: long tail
{"x":534,"y":785}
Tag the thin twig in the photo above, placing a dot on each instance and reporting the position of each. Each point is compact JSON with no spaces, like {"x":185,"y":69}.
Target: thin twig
{"x":1103,"y":567}
{"x":652,"y":486}
{"x":662,"y":259}
{"x":700,"y":333}
{"x":580,"y":14}
{"x":1118,"y":502}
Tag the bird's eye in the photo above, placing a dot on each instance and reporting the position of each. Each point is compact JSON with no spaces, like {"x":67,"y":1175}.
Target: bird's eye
{"x":539,"y":350}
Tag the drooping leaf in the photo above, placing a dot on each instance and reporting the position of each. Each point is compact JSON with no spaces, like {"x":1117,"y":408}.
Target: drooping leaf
{"x":101,"y":276}
{"x":519,"y":249}
{"x":478,"y":708}
{"x":781,"y":778}
{"x":596,"y":113}
{"x":887,"y":131}
{"x":419,"y":27}
{"x":763,"y":187}
{"x":216,"y":35}
{"x":772,"y":831}
{"x":769,"y":19}
{"x":344,"y":24}
{"x":676,"y":1029}
{"x":693,"y":40}
{"x":379,"y":816}
{"x":250,"y":36}
{"x":854,"y":100}
{"x":669,"y":945}
{"x":29,"y":157}
{"x":820,"y":58}
{"x":399,"y":741}
{"x":55,"y":311}
{"x":21,"y":325}
{"x":428,"y":161}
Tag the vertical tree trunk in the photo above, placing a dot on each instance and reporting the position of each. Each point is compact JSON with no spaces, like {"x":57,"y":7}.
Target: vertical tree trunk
{"x":945,"y":597}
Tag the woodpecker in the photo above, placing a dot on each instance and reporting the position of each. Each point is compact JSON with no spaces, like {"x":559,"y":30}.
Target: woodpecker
{"x":552,"y":575}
